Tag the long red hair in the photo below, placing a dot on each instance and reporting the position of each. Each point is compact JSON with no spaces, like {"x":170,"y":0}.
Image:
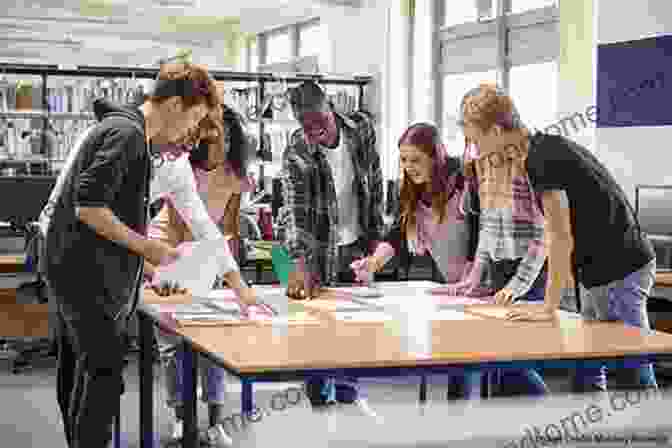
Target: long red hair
{"x":426,"y":137}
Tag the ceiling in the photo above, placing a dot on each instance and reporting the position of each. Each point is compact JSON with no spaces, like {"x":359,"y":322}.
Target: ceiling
{"x":139,"y":32}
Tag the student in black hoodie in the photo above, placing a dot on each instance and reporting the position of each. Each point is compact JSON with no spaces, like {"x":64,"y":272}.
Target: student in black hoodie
{"x":95,"y":227}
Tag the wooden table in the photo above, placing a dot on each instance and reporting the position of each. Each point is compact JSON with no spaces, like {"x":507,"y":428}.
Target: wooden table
{"x":664,"y":279}
{"x":477,"y":342}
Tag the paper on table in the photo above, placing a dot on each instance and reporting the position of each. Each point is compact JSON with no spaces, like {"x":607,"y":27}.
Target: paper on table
{"x":458,"y":300}
{"x":191,"y":308}
{"x":205,"y":317}
{"x":298,"y":318}
{"x":197,"y":267}
{"x":334,"y":305}
{"x":222,"y":294}
{"x":362,"y":316}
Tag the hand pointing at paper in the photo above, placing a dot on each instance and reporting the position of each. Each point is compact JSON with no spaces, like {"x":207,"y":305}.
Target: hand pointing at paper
{"x":158,"y":253}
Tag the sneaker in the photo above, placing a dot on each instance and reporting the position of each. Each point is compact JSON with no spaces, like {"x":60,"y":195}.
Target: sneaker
{"x":216,"y":436}
{"x":366,"y":411}
{"x":178,"y":430}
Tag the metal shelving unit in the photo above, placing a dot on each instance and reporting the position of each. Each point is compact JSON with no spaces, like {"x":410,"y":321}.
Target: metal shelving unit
{"x":45,"y":71}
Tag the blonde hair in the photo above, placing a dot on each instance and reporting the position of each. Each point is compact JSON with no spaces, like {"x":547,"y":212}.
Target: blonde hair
{"x":484,"y":107}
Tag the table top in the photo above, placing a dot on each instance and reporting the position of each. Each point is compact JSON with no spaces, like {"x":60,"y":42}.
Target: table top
{"x":12,"y":258}
{"x":481,"y":335}
{"x":664,"y":279}
{"x":12,"y":263}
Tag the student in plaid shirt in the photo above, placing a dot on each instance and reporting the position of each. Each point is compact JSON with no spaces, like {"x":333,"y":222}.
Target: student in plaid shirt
{"x":333,"y":198}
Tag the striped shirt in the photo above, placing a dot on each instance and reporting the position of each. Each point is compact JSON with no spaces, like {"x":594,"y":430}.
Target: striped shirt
{"x":511,"y":224}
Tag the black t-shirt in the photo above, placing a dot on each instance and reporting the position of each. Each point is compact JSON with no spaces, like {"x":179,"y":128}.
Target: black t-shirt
{"x":608,"y":242}
{"x":111,"y":170}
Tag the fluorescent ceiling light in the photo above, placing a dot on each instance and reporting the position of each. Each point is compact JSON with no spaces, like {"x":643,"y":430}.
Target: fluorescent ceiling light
{"x":176,"y":3}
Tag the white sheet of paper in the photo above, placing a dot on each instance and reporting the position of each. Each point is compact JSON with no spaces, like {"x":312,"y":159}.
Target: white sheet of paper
{"x":367,"y":293}
{"x":225,"y":305}
{"x":202,"y":317}
{"x":362,"y":316}
{"x":277,"y":299}
{"x":197,"y":269}
{"x":189,"y":308}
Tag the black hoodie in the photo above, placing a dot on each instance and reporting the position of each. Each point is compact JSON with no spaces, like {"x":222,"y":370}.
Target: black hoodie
{"x":111,"y":170}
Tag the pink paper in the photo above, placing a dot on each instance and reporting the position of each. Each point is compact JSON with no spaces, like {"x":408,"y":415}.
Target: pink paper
{"x":460,"y":300}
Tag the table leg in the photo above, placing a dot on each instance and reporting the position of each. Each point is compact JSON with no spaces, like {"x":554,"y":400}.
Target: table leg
{"x":146,"y":374}
{"x":423,"y":389}
{"x":117,"y":426}
{"x":190,"y":382}
{"x":486,"y":385}
{"x":246,"y":402}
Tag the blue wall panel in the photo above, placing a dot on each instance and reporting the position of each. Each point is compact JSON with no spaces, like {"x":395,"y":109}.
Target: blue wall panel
{"x":634,"y":83}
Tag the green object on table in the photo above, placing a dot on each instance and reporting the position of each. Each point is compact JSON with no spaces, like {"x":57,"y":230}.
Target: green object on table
{"x":282,"y":264}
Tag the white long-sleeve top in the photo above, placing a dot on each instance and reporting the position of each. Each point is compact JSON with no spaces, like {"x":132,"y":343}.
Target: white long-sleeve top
{"x":175,"y":181}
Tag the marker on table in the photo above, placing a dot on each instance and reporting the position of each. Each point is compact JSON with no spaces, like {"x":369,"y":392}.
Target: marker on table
{"x":282,"y":264}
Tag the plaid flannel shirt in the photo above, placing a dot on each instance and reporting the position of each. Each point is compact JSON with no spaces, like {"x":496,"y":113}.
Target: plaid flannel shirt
{"x":304,"y":216}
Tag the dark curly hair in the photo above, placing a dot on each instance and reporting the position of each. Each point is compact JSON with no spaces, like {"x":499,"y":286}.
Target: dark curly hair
{"x":236,"y":146}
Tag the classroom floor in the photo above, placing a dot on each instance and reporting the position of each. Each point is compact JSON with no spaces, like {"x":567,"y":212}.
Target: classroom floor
{"x":29,"y":415}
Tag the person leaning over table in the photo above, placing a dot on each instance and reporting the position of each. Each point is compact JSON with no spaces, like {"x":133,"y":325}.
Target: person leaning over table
{"x":95,"y":241}
{"x":433,"y":219}
{"x":332,"y":189}
{"x":430,"y":220}
{"x":592,"y":234}
{"x":511,"y":255}
{"x":198,"y":189}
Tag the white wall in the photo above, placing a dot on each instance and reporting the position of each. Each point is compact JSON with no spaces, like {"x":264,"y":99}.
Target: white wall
{"x":358,"y":45}
{"x":635,"y":154}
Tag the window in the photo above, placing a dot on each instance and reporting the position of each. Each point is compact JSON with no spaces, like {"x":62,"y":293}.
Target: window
{"x":454,"y":88}
{"x":464,"y":11}
{"x":518,"y":6}
{"x":254,"y":56}
{"x":313,"y":40}
{"x":278,"y":47}
{"x":459,"y":11}
{"x":534,"y":89}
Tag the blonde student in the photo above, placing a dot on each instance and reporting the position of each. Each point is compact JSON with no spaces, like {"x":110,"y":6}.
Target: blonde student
{"x":592,"y":232}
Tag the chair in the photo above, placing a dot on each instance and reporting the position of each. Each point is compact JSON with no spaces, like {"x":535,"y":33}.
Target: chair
{"x":34,"y":192}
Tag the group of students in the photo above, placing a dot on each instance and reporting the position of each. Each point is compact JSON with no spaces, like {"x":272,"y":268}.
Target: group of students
{"x":517,"y":218}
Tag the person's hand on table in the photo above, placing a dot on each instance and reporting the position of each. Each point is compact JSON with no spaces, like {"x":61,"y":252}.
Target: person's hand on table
{"x":159,"y":253}
{"x":246,"y":298}
{"x":165,"y":289}
{"x":299,"y":287}
{"x":504,"y":297}
{"x":364,"y":267}
{"x":533,"y":313}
